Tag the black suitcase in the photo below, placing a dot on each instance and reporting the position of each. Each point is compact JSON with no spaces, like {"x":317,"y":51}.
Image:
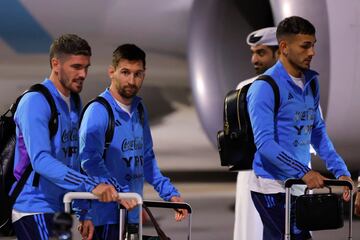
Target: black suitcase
{"x":318,"y":211}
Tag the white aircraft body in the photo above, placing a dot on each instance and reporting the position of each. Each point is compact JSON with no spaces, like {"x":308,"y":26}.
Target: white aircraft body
{"x":191,"y":44}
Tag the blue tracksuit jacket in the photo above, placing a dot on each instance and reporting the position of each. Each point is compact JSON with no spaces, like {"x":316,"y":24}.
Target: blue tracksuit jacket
{"x":129,"y":159}
{"x":283,"y":145}
{"x":55,"y":160}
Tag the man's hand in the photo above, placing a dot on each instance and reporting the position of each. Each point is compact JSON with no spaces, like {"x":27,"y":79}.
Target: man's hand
{"x":180,"y":214}
{"x":357,"y":204}
{"x":346,"y":193}
{"x":86,"y":229}
{"x":129,"y":204}
{"x":106,"y":192}
{"x":314,"y":179}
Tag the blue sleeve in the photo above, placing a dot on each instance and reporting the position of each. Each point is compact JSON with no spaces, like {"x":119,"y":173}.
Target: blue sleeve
{"x":92,"y":143}
{"x":152,"y":172}
{"x":33,"y":130}
{"x":261,"y":112}
{"x":82,"y":209}
{"x":324,"y":147}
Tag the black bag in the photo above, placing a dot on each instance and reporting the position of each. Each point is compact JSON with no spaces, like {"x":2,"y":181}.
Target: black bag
{"x":7,"y":150}
{"x":236,"y":142}
{"x":319,"y":211}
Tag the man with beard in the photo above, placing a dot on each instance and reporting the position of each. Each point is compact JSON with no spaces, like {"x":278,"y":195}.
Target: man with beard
{"x":54,"y":159}
{"x":130,"y":157}
{"x":264,"y":54}
{"x":283,"y":142}
{"x":264,"y":48}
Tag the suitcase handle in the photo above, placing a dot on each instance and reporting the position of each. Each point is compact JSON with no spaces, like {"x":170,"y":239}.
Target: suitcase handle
{"x":306,"y":192}
{"x":331,"y":182}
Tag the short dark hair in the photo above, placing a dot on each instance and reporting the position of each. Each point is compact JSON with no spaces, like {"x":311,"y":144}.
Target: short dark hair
{"x":129,"y":52}
{"x":69,"y":44}
{"x":294,"y":25}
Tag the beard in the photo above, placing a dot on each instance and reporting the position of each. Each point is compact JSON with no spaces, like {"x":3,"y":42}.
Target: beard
{"x":129,"y":91}
{"x":259,"y":70}
{"x":300,"y":64}
{"x":73,"y":85}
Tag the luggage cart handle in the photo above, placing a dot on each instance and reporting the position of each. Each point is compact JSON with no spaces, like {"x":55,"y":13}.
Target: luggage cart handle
{"x":68,"y":197}
{"x":331,"y":182}
{"x":174,"y":205}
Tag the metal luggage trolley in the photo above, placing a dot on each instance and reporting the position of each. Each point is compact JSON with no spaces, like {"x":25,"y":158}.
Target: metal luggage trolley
{"x":68,"y":197}
{"x":290,"y":182}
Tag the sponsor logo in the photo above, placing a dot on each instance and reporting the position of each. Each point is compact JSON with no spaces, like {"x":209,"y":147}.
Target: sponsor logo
{"x":290,"y":96}
{"x":129,"y":177}
{"x":301,"y":142}
{"x":130,"y":145}
{"x":69,"y":151}
{"x":137,"y":161}
{"x":303,"y":129}
{"x":69,"y":136}
{"x":308,"y":115}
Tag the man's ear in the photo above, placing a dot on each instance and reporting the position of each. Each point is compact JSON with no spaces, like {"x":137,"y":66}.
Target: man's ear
{"x":55,"y":63}
{"x":111,"y":71}
{"x":283,"y":47}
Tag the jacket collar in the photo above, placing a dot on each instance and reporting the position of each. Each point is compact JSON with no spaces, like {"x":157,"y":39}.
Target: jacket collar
{"x":134,"y":104}
{"x":54,"y":91}
{"x":280,"y":69}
